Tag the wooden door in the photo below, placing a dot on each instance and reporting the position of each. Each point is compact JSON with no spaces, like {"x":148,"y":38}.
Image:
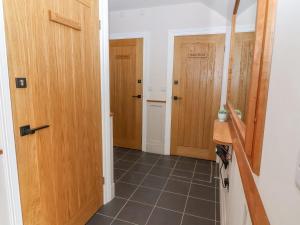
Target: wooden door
{"x":126,"y":68}
{"x":198,"y":69}
{"x":54,"y":44}
{"x":242,"y":68}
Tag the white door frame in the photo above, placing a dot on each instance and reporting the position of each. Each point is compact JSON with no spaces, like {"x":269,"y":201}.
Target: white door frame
{"x":145,"y":82}
{"x":107,"y":138}
{"x":7,"y":140}
{"x":171,"y":37}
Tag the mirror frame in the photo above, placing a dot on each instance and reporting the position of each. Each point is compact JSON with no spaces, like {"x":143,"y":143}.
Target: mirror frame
{"x":250,"y":134}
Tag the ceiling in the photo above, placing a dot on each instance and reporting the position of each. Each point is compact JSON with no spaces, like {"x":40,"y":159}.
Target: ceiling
{"x":115,"y":5}
{"x":221,"y":6}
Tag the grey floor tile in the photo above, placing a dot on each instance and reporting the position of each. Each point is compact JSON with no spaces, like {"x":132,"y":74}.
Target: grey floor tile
{"x":203,"y":192}
{"x":185,"y":166}
{"x":133,"y":178}
{"x":131,"y":157}
{"x":154,"y":182}
{"x":141,"y":168}
{"x":201,"y":208}
{"x":124,"y":190}
{"x":187,"y":160}
{"x":164,"y":217}
{"x":99,"y":220}
{"x":183,"y":174}
{"x":124,"y":165}
{"x":218,"y":212}
{"x":112,"y":208}
{"x":168,"y":163}
{"x":135,"y":213}
{"x":160,"y":171}
{"x":192,"y":220}
{"x":146,"y":195}
{"x":118,"y":173}
{"x":172,"y":201}
{"x":177,"y":187}
{"x":147,"y":160}
{"x":119,"y":222}
{"x":203,"y":168}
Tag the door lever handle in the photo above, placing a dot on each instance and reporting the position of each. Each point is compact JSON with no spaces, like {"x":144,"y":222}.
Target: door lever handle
{"x":137,"y":96}
{"x":26,"y":130}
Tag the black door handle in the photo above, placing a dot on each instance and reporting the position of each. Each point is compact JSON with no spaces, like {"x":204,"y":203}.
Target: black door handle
{"x":137,"y":96}
{"x":176,"y":98}
{"x":26,"y":130}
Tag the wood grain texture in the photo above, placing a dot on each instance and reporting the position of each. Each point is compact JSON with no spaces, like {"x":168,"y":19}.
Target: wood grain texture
{"x":55,"y":17}
{"x":198,"y":63}
{"x":126,"y":68}
{"x":263,"y":88}
{"x":87,"y":3}
{"x":222,"y":133}
{"x":253,"y":89}
{"x":241,"y":74}
{"x":256,"y":208}
{"x":59,"y":168}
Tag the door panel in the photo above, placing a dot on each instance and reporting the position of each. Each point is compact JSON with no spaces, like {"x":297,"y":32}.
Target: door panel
{"x":126,"y":66}
{"x":60,"y":168}
{"x":198,"y":65}
{"x":242,"y":68}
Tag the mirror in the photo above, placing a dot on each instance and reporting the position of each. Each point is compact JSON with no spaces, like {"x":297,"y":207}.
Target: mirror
{"x":243,"y":42}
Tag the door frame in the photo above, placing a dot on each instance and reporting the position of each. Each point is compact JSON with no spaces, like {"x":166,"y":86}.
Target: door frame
{"x":171,"y":41}
{"x":145,"y":95}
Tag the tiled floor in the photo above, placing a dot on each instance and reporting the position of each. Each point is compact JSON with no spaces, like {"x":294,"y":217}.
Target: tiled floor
{"x":161,"y":190}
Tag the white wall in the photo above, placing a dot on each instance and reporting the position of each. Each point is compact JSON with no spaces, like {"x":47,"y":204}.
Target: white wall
{"x":281,"y":147}
{"x":4,"y":213}
{"x":157,"y":21}
{"x":281,"y":144}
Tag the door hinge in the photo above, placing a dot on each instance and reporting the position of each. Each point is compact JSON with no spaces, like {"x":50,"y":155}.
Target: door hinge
{"x":99,"y":24}
{"x":103,"y":180}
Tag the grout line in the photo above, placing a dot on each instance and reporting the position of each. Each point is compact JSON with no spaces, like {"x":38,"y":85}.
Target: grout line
{"x":162,"y":190}
{"x":211,"y":172}
{"x":170,"y":177}
{"x":117,"y":219}
{"x":186,"y":201}
{"x":170,"y":192}
{"x":138,"y":186}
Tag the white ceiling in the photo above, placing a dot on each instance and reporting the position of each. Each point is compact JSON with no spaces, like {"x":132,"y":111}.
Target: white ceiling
{"x":115,"y":5}
{"x":218,"y":5}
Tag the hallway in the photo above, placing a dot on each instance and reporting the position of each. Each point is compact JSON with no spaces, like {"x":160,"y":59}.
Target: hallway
{"x":161,"y":190}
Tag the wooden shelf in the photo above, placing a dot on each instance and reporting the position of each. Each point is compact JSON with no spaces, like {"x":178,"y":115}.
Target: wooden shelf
{"x":222,"y":133}
{"x":157,"y":101}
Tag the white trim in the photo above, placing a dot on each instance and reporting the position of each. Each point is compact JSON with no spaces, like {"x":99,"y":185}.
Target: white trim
{"x":146,"y":57}
{"x":108,"y":192}
{"x":7,"y":141}
{"x":245,"y":28}
{"x":171,"y":35}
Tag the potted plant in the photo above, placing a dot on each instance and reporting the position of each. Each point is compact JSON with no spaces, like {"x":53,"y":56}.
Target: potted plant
{"x":222,"y":115}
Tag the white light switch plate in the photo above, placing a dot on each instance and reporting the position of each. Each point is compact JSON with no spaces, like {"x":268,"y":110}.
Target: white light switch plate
{"x":298,"y":172}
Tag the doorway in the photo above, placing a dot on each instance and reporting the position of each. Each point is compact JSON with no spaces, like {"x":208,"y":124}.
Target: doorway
{"x":126,"y":91}
{"x":197,"y":78}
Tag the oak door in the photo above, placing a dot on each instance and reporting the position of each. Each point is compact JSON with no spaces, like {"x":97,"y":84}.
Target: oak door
{"x":242,"y":68}
{"x":126,"y":68}
{"x":198,"y":68}
{"x":54,"y":44}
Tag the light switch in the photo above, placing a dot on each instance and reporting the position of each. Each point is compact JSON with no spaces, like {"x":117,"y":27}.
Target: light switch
{"x":298,"y":172}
